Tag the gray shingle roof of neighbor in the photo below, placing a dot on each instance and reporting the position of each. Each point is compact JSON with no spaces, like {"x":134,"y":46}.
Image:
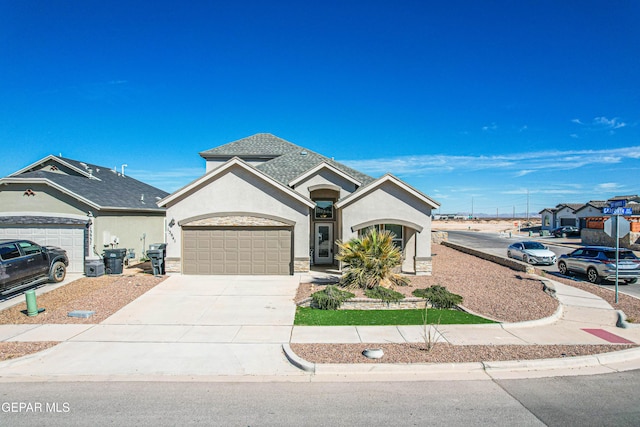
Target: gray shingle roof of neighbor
{"x":110,"y":190}
{"x":628,"y":197}
{"x":40,"y":220}
{"x":597,"y":203}
{"x":572,"y":206}
{"x":285,"y":161}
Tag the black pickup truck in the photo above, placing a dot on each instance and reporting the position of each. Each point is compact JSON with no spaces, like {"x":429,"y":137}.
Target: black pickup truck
{"x":24,"y":263}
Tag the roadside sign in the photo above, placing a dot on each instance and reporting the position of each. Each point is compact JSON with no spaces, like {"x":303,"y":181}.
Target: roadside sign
{"x":623,"y":228}
{"x":617,"y":211}
{"x":618,"y":204}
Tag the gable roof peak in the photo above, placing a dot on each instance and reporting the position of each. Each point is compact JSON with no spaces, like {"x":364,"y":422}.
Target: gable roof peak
{"x":259,"y":144}
{"x":278,"y":158}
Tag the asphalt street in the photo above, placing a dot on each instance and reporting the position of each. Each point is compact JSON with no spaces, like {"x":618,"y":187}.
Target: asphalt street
{"x":562,"y":401}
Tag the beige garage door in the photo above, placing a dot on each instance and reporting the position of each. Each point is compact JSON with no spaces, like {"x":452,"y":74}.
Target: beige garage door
{"x":237,"y":250}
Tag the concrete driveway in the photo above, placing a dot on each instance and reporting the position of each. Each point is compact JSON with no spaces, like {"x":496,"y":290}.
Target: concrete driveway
{"x":186,"y":326}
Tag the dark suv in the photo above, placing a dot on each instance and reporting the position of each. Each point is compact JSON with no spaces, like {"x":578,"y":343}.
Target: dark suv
{"x":599,"y":262}
{"x":24,"y":263}
{"x":566,"y":231}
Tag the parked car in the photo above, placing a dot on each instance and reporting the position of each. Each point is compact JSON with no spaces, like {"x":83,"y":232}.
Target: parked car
{"x":566,"y":231}
{"x":599,"y":263}
{"x":531,"y":252}
{"x":24,"y":263}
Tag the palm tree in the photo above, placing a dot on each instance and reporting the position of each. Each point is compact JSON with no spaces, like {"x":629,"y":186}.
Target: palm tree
{"x":370,"y":261}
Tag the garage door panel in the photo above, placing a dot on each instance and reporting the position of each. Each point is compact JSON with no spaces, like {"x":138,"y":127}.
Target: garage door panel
{"x":245,"y":256}
{"x":239,"y":250}
{"x":71,"y":239}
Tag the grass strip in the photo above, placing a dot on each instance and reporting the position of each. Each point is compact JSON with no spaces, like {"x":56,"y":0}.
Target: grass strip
{"x":306,"y":316}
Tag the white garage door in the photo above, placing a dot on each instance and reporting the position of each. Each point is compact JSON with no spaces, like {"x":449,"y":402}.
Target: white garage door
{"x":237,"y":250}
{"x":69,"y":238}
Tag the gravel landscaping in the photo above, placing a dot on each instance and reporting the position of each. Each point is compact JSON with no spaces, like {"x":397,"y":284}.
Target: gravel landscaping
{"x":489,"y":290}
{"x":444,"y":353}
{"x":105,"y":295}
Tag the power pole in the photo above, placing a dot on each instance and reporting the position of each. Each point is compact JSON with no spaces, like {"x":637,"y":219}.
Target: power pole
{"x":527,"y":204}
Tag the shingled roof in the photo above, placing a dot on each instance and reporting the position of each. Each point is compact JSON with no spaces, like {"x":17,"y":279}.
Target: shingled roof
{"x":282,"y":160}
{"x":103,"y":187}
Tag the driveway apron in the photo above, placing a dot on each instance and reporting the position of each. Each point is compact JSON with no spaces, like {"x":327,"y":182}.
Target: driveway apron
{"x":187,"y":325}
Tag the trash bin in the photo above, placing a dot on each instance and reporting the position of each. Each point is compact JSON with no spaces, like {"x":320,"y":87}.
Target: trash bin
{"x":113,"y":260}
{"x":155,"y":246}
{"x":156,"y":254}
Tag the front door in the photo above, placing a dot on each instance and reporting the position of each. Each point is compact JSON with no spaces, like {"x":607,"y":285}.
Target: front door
{"x":323,"y":253}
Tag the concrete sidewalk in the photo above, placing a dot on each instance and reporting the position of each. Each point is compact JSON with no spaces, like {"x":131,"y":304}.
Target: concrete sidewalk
{"x":235,"y":328}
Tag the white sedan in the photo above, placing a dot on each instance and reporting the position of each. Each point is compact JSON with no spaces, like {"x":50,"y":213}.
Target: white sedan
{"x":531,"y":253}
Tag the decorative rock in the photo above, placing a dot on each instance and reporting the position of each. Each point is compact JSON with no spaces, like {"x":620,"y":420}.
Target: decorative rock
{"x":373,"y":353}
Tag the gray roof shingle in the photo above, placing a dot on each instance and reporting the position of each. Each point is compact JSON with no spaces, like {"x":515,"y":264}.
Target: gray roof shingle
{"x":109,"y":190}
{"x":284,"y":161}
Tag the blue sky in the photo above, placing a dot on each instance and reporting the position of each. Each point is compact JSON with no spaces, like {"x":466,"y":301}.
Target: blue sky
{"x":483,"y":104}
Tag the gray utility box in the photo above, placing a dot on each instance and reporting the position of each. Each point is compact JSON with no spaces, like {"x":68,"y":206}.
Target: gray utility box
{"x":157,"y":254}
{"x":113,"y":260}
{"x":94,"y":267}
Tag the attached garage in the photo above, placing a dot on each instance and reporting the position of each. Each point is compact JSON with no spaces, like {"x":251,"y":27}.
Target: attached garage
{"x":237,"y":250}
{"x":70,"y":237}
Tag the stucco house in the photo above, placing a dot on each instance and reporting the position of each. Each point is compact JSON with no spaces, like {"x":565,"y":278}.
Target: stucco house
{"x":267,"y":206}
{"x":594,"y":220}
{"x":592,"y":208}
{"x":547,"y":215}
{"x":563,"y":214}
{"x":80,"y":207}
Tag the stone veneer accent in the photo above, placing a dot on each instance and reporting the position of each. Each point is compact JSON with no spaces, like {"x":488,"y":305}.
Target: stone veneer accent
{"x":301,"y":265}
{"x":424,"y":266}
{"x":597,"y":237}
{"x":372,"y":304}
{"x":438,"y":237}
{"x":236,"y":221}
{"x":173,"y":265}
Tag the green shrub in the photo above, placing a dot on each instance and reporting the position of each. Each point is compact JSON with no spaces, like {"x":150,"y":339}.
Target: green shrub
{"x":439,"y":296}
{"x":330,"y":298}
{"x":384,"y":294}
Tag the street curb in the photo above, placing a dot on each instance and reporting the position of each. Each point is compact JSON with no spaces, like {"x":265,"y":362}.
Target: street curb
{"x":297,"y":361}
{"x":539,"y":322}
{"x":622,"y":321}
{"x":594,"y":360}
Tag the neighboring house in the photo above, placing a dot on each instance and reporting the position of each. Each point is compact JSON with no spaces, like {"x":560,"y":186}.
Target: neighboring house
{"x":566,"y":214}
{"x":81,"y":208}
{"x":591,"y":209}
{"x":594,"y":233}
{"x":548,"y":218}
{"x":267,"y":206}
